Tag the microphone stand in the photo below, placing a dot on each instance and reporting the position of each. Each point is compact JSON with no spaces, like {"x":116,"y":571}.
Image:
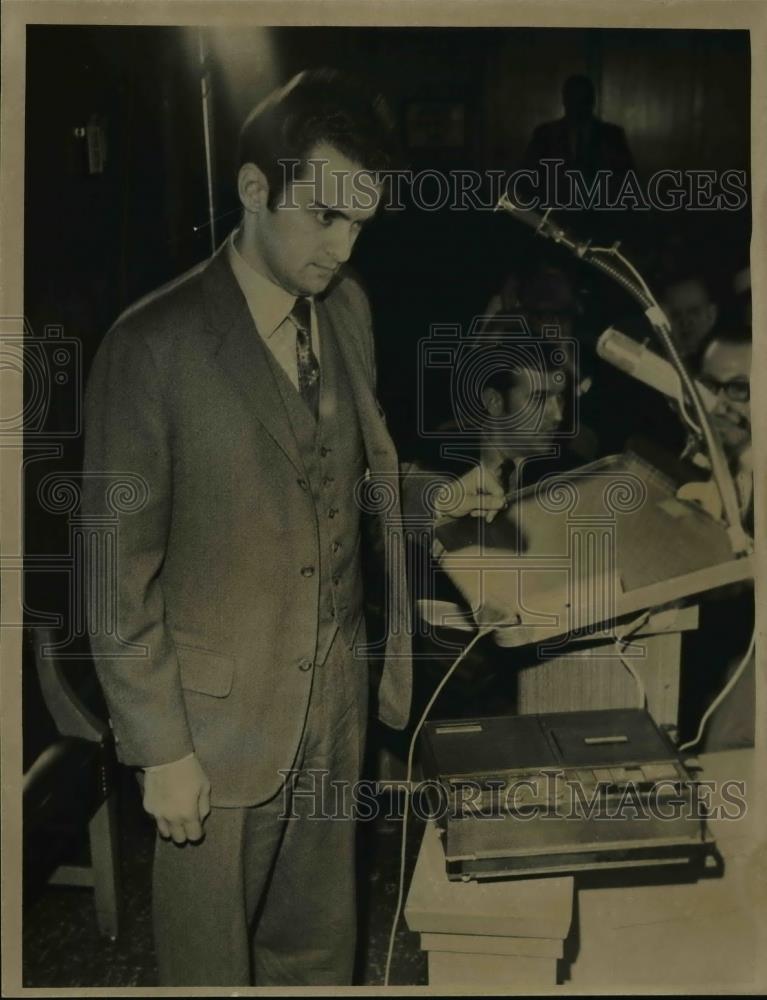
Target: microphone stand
{"x":602,"y":258}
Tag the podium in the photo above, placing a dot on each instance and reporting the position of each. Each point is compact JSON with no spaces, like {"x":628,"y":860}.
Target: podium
{"x":576,"y":560}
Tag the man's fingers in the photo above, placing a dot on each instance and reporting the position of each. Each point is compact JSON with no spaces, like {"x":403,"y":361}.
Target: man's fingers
{"x":178,"y":796}
{"x":181,"y":830}
{"x":492,"y":488}
{"x":162,"y":828}
{"x":178,"y":832}
{"x":204,"y":804}
{"x":495,"y":502}
{"x":193,"y":830}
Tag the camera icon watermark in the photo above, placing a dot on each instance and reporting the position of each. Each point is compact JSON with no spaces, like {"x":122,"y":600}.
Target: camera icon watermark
{"x":499,"y":378}
{"x":49,"y":371}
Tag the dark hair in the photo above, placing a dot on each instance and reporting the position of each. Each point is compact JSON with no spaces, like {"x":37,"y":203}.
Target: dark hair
{"x":319,"y":105}
{"x":578,"y":87}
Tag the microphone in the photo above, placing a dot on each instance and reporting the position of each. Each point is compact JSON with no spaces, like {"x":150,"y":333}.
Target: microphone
{"x":646,"y":366}
{"x":542,"y":224}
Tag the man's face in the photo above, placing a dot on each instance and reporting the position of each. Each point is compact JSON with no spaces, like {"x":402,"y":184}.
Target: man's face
{"x":308,"y":235}
{"x":692,"y":315}
{"x":537,"y":399}
{"x":531,"y":409}
{"x":725,"y":371}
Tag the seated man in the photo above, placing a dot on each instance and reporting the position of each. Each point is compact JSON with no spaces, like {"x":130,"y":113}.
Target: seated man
{"x":725,"y":370}
{"x":693,"y":314}
{"x":548,"y":298}
{"x":511,"y":396}
{"x":728,"y":613}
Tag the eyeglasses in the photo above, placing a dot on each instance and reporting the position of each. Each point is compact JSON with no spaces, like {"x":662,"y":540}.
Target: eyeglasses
{"x":737,"y":390}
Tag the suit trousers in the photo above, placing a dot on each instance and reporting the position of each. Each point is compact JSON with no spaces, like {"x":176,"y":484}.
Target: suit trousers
{"x":268,"y":896}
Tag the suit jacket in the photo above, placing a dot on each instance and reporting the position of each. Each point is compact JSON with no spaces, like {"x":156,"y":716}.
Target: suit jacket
{"x":607,"y":147}
{"x":216,"y":625}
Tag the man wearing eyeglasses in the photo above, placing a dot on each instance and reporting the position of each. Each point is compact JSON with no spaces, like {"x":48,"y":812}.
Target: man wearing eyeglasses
{"x":725,"y":370}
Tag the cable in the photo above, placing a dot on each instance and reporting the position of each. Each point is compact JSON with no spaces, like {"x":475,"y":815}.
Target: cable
{"x":627,"y":264}
{"x":688,"y":419}
{"x":722,"y":694}
{"x":486,"y":630}
{"x":642,"y":693}
{"x":621,"y":640}
{"x":205,"y":96}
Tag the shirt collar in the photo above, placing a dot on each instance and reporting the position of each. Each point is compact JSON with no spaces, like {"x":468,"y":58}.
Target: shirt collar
{"x":269,"y":304}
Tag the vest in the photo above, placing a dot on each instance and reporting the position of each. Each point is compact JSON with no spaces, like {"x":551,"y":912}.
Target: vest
{"x":333,"y":456}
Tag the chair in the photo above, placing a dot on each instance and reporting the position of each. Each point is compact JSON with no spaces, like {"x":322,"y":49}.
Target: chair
{"x":69,"y":770}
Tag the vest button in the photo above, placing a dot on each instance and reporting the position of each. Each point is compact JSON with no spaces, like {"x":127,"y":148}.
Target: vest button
{"x":336,"y":546}
{"x":307,"y":571}
{"x":327,"y":480}
{"x":325,"y":451}
{"x":305,"y":665}
{"x":332,"y":512}
{"x":336,"y":581}
{"x":303,"y":484}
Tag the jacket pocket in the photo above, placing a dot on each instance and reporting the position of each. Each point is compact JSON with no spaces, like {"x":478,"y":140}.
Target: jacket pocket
{"x":204,"y":671}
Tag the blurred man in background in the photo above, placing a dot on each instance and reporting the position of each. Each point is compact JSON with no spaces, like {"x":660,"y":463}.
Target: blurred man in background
{"x":693,"y":313}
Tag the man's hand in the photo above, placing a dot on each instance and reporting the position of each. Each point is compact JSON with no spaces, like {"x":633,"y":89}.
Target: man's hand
{"x":477,"y":493}
{"x":178,"y":796}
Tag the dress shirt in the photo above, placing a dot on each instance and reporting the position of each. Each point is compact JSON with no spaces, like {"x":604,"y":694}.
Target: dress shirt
{"x":270,"y":307}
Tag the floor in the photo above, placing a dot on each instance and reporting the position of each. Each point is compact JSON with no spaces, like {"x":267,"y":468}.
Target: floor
{"x":62,"y":946}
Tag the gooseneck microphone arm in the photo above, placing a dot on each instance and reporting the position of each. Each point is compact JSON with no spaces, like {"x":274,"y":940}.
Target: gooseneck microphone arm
{"x":634,"y":284}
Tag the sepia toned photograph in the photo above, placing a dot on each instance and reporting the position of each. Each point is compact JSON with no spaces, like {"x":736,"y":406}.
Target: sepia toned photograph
{"x":382,"y":498}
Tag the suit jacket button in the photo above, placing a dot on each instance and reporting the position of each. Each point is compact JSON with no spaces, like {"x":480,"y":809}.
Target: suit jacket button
{"x":303,"y":484}
{"x":307,"y":571}
{"x":305,"y":665}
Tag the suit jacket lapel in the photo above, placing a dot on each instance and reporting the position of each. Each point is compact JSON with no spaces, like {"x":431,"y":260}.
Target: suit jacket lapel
{"x":379,"y":448}
{"x":242,"y":354}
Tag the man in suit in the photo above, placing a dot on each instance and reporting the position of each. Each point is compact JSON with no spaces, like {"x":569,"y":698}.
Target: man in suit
{"x":576,"y":148}
{"x":242,"y":398}
{"x":581,"y":140}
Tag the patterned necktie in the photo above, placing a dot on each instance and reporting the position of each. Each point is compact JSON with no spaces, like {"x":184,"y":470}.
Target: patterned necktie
{"x":308,"y":365}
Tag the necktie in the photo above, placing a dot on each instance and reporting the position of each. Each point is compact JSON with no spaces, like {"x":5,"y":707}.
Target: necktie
{"x":306,"y":359}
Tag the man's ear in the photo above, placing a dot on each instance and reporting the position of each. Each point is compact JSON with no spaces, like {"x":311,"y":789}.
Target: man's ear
{"x":253,"y":188}
{"x":492,"y":401}
{"x":713,"y":313}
